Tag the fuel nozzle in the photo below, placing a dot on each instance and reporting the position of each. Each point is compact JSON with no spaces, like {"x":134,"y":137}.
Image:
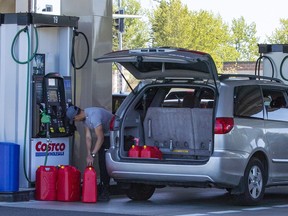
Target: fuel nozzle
{"x":45,"y":119}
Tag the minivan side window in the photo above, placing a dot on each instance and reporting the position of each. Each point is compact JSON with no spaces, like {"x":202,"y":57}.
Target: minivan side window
{"x":275,"y":101}
{"x":248,"y":102}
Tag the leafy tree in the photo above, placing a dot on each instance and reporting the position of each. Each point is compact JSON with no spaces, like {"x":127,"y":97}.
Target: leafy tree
{"x":174,"y":25}
{"x":244,"y":39}
{"x":168,"y":28}
{"x":211,"y":35}
{"x":280,"y":35}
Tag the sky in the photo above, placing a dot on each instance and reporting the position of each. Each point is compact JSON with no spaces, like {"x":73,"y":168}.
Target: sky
{"x":266,"y":14}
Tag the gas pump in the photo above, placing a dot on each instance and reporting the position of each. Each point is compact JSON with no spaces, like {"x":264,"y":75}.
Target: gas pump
{"x":52,"y":94}
{"x":51,"y":102}
{"x":20,"y":113}
{"x":33,"y":111}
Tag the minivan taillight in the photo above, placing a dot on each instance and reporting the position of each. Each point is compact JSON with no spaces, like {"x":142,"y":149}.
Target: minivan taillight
{"x":223,"y":125}
{"x":112,"y":122}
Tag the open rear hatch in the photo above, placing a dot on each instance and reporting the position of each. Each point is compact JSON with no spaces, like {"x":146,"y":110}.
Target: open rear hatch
{"x":157,"y":118}
{"x":164,"y":63}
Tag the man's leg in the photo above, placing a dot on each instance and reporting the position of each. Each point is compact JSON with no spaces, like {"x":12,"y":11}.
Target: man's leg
{"x":104,"y":177}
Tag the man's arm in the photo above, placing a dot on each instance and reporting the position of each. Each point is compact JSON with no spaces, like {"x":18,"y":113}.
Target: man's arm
{"x":100,"y":138}
{"x":89,"y":158}
{"x":88,"y":140}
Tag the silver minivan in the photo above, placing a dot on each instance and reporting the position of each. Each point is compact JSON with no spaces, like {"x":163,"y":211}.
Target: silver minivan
{"x":185,"y":125}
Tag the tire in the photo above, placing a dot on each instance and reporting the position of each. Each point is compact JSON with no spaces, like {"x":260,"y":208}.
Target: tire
{"x":140,"y":192}
{"x":253,"y":183}
{"x":229,"y":190}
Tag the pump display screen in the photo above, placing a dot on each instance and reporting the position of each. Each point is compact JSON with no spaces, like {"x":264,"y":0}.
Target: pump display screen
{"x":52,"y":96}
{"x":52,"y":82}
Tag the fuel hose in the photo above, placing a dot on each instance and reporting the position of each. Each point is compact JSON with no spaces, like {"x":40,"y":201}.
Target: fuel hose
{"x":281,"y":68}
{"x":73,"y":58}
{"x":29,"y":59}
{"x":257,"y":65}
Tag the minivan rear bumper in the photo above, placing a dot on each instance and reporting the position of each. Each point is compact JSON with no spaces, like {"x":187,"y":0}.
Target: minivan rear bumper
{"x":224,"y":169}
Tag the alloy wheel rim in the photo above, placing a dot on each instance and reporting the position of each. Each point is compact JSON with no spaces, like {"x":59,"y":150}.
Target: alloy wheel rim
{"x":255,"y":182}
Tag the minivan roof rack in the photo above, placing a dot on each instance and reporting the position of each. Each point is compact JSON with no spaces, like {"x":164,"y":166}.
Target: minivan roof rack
{"x":249,"y":76}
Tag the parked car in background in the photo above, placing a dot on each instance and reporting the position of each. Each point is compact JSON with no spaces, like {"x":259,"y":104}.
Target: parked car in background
{"x":210,"y":130}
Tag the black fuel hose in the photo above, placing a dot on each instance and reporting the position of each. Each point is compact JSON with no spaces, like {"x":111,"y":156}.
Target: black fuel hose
{"x":73,"y":50}
{"x":281,"y":68}
{"x":257,"y":65}
{"x":73,"y":62}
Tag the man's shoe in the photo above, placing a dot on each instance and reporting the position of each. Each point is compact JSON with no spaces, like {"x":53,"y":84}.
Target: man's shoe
{"x":104,"y":195}
{"x":99,"y":188}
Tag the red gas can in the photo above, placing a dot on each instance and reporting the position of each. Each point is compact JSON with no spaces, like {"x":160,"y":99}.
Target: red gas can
{"x":151,"y":152}
{"x":45,"y":185}
{"x":89,"y":188}
{"x":135,"y":151}
{"x":68,"y":184}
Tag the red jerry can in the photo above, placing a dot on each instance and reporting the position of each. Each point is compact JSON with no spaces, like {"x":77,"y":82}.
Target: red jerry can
{"x":157,"y":153}
{"x":135,"y":151}
{"x":68,"y":184}
{"x":89,"y":188}
{"x":45,"y":185}
{"x":151,"y":152}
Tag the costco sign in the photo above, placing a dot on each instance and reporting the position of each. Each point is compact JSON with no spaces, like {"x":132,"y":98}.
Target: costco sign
{"x":53,"y":149}
{"x":53,"y":153}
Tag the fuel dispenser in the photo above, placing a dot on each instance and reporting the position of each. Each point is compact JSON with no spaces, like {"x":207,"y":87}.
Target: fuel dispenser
{"x":52,"y":96}
{"x":35,"y":93}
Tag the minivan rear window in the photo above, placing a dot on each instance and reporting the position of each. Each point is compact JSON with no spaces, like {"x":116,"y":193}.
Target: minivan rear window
{"x":148,"y":67}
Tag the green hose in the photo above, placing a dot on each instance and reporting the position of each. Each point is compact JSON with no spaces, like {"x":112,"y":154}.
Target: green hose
{"x":30,"y":58}
{"x":46,"y":119}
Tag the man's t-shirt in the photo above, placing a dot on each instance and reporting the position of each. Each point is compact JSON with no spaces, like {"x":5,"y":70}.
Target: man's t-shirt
{"x":96,"y":116}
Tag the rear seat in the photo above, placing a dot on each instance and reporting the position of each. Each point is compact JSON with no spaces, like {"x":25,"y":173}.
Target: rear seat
{"x":173,"y":129}
{"x":202,"y":127}
{"x":169,"y":128}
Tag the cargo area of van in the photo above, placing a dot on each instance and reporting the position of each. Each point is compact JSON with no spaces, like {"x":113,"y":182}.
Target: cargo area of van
{"x":169,"y":123}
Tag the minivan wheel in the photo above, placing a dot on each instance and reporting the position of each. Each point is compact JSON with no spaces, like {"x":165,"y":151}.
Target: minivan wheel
{"x":140,"y":192}
{"x":253,"y":183}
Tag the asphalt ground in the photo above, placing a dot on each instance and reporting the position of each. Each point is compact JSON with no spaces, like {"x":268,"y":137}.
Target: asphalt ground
{"x":16,"y":211}
{"x":169,"y":201}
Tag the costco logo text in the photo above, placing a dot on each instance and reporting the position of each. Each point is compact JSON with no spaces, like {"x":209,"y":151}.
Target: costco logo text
{"x":54,"y":149}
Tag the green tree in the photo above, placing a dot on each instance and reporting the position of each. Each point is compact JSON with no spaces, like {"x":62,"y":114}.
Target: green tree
{"x":136,"y":31}
{"x":174,"y":25}
{"x":168,"y":28}
{"x":244,"y":39}
{"x":211,"y":34}
{"x":280,"y":35}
